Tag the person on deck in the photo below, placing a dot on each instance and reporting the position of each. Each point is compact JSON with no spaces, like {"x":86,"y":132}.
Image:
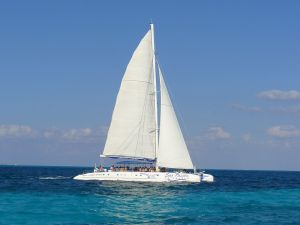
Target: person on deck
{"x":112,"y":168}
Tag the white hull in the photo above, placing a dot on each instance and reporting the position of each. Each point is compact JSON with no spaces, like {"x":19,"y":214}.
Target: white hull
{"x":146,"y":177}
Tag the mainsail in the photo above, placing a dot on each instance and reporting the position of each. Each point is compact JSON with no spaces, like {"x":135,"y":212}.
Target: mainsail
{"x":132,"y":130}
{"x":172,"y":152}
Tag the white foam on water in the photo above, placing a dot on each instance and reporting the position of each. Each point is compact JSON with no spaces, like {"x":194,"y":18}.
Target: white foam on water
{"x":54,"y":178}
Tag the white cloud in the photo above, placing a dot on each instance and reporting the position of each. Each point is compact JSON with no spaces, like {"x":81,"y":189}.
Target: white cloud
{"x":53,"y":133}
{"x":218,"y":133}
{"x":49,"y":133}
{"x":280,"y":95}
{"x":290,"y":109}
{"x":78,"y":135}
{"x":284,"y":131}
{"x":16,"y":131}
{"x":75,"y":134}
{"x":214,"y":137}
{"x":246,"y":108}
{"x":246,"y":137}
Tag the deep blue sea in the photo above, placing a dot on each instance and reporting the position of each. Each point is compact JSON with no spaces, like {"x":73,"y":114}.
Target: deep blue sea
{"x":48,"y":195}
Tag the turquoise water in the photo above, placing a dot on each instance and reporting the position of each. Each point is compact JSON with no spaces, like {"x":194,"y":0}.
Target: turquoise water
{"x":48,"y":195}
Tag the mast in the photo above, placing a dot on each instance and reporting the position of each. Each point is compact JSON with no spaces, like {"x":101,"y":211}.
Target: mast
{"x":155,"y":89}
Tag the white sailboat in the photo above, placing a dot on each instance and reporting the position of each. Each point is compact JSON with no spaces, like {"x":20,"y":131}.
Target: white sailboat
{"x":137,"y":133}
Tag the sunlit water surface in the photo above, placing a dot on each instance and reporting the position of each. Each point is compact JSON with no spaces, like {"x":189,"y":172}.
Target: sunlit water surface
{"x":49,"y":195}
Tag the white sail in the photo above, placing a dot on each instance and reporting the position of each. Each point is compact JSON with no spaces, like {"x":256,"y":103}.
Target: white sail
{"x":132,"y":129}
{"x":172,"y":152}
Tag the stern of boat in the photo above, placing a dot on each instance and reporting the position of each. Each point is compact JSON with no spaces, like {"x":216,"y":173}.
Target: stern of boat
{"x":207,"y":178}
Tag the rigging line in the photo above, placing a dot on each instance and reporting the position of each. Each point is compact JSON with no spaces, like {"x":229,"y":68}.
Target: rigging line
{"x":127,"y":139}
{"x":167,"y":105}
{"x":141,"y":81}
{"x":134,"y":132}
{"x":158,"y":98}
{"x":175,"y":107}
{"x":142,"y":121}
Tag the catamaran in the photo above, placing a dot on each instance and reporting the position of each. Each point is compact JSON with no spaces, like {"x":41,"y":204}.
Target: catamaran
{"x":144,"y":126}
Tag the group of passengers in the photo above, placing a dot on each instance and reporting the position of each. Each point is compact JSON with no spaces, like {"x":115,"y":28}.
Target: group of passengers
{"x":144,"y":169}
{"x":119,"y":168}
{"x":127,"y":168}
{"x":135,"y":169}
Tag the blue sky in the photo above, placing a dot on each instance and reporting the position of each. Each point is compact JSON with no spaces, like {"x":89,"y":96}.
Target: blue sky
{"x":232,"y":68}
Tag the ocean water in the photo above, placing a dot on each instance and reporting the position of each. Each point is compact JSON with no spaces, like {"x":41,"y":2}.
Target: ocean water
{"x":48,"y":195}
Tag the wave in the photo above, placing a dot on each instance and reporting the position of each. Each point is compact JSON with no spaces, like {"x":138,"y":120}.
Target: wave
{"x":54,"y":178}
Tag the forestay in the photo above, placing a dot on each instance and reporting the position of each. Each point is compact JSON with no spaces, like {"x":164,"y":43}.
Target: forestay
{"x":172,"y":152}
{"x":132,"y":129}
